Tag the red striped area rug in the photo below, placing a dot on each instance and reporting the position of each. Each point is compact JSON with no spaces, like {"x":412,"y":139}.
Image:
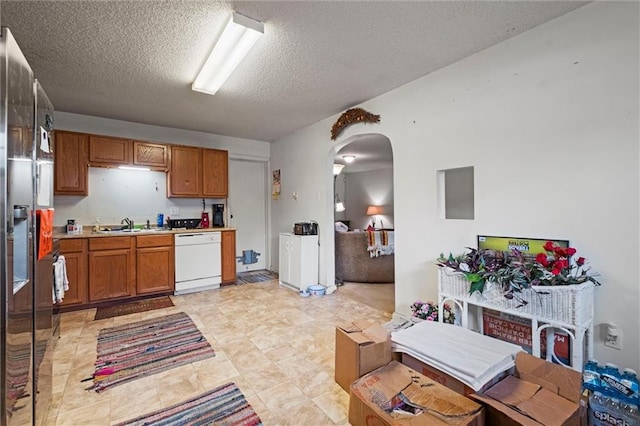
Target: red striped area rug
{"x":225,"y":405}
{"x":143,"y":348}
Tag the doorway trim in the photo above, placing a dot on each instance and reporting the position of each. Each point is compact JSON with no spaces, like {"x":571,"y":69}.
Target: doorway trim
{"x":327,"y":230}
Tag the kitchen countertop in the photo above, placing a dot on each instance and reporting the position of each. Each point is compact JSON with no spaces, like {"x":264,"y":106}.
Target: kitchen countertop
{"x":88,"y":233}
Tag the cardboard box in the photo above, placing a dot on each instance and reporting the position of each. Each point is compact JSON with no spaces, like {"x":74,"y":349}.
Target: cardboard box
{"x":445,"y":379}
{"x":386,"y":395}
{"x":539,"y":392}
{"x":361,"y":347}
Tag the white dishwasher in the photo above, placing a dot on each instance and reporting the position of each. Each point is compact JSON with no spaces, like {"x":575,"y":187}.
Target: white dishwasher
{"x":198,"y":262}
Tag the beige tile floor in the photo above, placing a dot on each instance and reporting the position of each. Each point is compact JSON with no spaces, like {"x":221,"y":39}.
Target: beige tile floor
{"x":276,"y":346}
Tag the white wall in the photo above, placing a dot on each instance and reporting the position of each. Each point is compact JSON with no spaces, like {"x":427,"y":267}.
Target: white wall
{"x":115,"y":194}
{"x":548,"y":120}
{"x":373,"y":187}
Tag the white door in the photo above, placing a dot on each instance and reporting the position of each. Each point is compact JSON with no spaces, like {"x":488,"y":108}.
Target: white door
{"x":248,"y":212}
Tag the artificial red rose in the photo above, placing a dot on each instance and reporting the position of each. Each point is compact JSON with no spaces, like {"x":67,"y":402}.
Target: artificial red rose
{"x":580,"y":261}
{"x":571,"y":251}
{"x":560,"y":252}
{"x":541,"y":258}
{"x":548,"y":246}
{"x":561,"y":263}
{"x":555,"y":271}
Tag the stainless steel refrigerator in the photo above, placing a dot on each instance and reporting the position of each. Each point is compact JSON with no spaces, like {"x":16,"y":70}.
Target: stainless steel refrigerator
{"x":26,"y":243}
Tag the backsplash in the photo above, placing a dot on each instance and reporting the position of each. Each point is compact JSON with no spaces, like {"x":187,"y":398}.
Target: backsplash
{"x":115,"y":194}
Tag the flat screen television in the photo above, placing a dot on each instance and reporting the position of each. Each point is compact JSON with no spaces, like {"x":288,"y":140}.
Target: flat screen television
{"x":527,"y":246}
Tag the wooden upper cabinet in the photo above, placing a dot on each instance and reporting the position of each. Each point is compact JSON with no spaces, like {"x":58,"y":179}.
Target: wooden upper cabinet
{"x":185,"y":172}
{"x":215,"y":173}
{"x":104,"y":150}
{"x":71,"y":163}
{"x":150,"y":154}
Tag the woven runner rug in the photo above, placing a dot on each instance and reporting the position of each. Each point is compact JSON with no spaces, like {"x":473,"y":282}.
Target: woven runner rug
{"x":133,"y":307}
{"x":147,"y":347}
{"x":255,"y":276}
{"x":225,"y":405}
{"x":18,"y":359}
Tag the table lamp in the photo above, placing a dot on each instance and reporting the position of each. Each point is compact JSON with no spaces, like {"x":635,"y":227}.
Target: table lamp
{"x":373,"y":211}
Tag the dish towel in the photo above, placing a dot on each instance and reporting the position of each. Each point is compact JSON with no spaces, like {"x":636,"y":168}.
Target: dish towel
{"x":60,"y":280}
{"x":380,"y":243}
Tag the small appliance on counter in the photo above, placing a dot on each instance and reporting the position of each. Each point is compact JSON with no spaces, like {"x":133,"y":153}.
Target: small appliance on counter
{"x":204,"y":217}
{"x":218,"y":215}
{"x":73,"y":227}
{"x":204,"y":220}
{"x":184,"y":223}
{"x":305,"y":228}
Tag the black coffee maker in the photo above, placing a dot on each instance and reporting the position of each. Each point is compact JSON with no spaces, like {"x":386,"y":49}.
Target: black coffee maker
{"x":218,"y":215}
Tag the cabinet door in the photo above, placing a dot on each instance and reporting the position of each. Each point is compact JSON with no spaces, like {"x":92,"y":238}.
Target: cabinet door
{"x":154,"y":270}
{"x":285,"y":261}
{"x":185,"y":173}
{"x":308,"y":268}
{"x":228,"y":256}
{"x":215,"y":173}
{"x":71,"y":163}
{"x":150,"y":154}
{"x":77,"y":274}
{"x":104,"y":150}
{"x":295,"y":261}
{"x":109,"y":275}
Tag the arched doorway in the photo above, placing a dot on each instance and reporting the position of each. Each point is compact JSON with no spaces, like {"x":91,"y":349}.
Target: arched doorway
{"x":363,"y":183}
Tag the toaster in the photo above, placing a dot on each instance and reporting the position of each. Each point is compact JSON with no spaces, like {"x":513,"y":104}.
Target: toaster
{"x":305,"y":228}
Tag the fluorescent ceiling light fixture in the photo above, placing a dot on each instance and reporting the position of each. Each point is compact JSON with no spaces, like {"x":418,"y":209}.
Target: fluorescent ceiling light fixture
{"x":238,"y":37}
{"x":349,"y":158}
{"x":140,"y":169}
{"x":337,"y":168}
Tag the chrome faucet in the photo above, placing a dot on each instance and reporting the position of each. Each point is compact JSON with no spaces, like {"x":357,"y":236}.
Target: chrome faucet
{"x":128,"y":221}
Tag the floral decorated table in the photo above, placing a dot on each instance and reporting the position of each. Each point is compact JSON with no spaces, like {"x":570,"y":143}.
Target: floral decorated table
{"x":550,"y":307}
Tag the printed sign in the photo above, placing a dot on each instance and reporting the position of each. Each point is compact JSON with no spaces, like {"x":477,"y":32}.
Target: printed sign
{"x":527,"y":246}
{"x":517,"y":330}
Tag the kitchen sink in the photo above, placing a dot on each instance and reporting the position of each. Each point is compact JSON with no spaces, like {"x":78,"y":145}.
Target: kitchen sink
{"x":131,"y":231}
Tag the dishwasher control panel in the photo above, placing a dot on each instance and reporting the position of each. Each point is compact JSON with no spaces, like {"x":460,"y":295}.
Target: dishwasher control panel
{"x":197,"y":238}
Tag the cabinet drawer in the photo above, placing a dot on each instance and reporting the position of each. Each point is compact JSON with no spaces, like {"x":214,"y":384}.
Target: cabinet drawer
{"x":154,"y":240}
{"x":74,"y":245}
{"x":109,"y":243}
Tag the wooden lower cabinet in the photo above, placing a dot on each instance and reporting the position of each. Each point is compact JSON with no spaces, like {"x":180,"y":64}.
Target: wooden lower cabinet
{"x":112,"y":268}
{"x":75,"y":254}
{"x":228,"y":249}
{"x":155,"y":264}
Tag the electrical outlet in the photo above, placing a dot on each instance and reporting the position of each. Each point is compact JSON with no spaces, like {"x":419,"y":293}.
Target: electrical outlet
{"x":174,"y":211}
{"x":613,"y":338}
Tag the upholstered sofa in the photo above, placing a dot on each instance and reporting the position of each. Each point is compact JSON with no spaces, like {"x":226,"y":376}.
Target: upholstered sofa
{"x":353,"y":262}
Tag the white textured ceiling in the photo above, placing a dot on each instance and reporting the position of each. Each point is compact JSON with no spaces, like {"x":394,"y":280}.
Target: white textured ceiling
{"x":135,"y":60}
